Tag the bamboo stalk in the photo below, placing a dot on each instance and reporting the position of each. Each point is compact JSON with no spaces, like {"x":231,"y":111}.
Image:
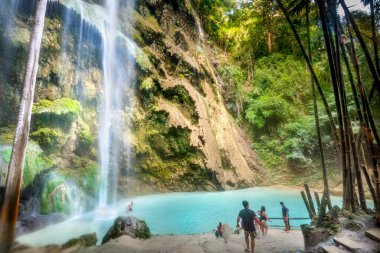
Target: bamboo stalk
{"x":316,"y":195}
{"x":309,"y":198}
{"x":307,"y":204}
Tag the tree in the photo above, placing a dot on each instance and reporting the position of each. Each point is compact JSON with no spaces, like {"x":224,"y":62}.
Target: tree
{"x":9,"y":210}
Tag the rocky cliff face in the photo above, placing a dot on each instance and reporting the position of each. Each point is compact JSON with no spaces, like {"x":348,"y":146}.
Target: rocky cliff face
{"x":172,"y":38}
{"x":183,"y":138}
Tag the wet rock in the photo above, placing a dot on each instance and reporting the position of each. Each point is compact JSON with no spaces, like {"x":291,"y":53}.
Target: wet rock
{"x":28,"y":221}
{"x":83,"y":241}
{"x":130,"y":226}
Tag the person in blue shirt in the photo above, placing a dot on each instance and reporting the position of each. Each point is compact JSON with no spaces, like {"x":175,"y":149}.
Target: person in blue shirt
{"x":285,"y":216}
{"x":248,"y":218}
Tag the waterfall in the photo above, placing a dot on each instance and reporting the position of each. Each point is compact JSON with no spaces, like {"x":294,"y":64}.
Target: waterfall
{"x":116,"y":94}
{"x":116,"y":104}
{"x":103,"y":28}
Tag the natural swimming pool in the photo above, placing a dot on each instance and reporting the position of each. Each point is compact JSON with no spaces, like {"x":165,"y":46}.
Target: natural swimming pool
{"x":179,"y":213}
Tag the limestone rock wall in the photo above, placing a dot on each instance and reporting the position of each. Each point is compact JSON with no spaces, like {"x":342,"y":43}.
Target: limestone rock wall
{"x":181,"y":60}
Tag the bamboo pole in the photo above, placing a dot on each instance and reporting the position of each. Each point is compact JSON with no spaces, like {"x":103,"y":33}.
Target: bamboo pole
{"x":309,"y":198}
{"x":317,"y":200}
{"x":307,"y":204}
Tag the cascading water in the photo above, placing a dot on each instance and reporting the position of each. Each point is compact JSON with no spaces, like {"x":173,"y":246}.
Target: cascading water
{"x":117,"y":88}
{"x":116,"y":95}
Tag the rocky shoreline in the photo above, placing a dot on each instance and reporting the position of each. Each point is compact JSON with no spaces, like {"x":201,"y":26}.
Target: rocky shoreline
{"x":276,"y":241}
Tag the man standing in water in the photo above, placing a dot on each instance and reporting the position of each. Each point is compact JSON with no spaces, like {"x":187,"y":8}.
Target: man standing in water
{"x":285,"y":216}
{"x":248,"y":218}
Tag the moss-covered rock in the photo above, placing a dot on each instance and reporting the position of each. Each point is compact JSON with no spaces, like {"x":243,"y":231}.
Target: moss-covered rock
{"x":47,"y":138}
{"x":85,"y":174}
{"x":55,"y":113}
{"x":82,"y":241}
{"x":60,"y":195}
{"x":85,"y":140}
{"x":35,"y":162}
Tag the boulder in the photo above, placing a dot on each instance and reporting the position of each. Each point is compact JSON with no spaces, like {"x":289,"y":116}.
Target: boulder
{"x":130,"y":226}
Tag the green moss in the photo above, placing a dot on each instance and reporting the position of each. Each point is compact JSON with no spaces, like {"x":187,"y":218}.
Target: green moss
{"x":62,"y":106}
{"x":35,"y":162}
{"x":182,"y":100}
{"x":174,"y":143}
{"x":85,"y":140}
{"x":47,"y":138}
{"x":55,"y":113}
{"x":143,"y":62}
{"x":143,"y":231}
{"x":85,"y":174}
{"x":147,"y":84}
{"x":54,"y":198}
{"x":6,"y":135}
{"x":164,"y":155}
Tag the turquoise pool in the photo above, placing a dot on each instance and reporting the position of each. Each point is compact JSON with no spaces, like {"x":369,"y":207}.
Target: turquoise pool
{"x":178,"y":213}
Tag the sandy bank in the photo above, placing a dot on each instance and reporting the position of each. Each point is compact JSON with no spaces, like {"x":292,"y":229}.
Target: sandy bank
{"x":276,"y":241}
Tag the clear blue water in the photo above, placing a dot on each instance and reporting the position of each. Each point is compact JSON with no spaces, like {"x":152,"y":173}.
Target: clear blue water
{"x":179,"y":213}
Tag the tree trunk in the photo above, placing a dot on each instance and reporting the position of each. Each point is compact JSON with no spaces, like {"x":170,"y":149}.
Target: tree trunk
{"x":9,"y":209}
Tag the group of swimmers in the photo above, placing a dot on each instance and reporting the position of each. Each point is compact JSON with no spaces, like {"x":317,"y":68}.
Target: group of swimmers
{"x":248,"y":220}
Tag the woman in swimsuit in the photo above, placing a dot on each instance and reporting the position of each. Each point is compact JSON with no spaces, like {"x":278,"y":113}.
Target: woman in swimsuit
{"x":263,"y":220}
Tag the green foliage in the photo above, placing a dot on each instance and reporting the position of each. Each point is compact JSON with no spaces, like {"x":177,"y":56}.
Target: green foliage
{"x":270,"y":151}
{"x":299,"y":140}
{"x":35,"y":162}
{"x":235,"y":82}
{"x":268,"y":112}
{"x":47,"y":138}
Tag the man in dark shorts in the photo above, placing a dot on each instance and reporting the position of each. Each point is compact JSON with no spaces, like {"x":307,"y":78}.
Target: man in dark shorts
{"x":285,"y":216}
{"x":248,"y":218}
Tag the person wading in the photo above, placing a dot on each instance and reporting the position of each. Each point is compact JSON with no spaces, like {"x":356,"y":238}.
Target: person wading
{"x":248,"y":218}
